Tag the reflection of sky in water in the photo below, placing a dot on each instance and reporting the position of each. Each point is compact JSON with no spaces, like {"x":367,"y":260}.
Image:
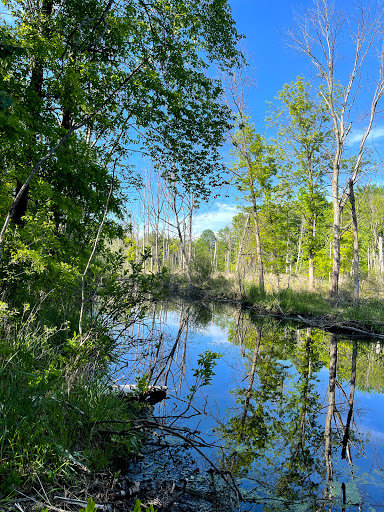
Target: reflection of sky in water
{"x":219,"y":400}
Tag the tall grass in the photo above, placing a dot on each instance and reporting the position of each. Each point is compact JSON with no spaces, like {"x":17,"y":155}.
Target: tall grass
{"x":369,"y":311}
{"x":53,"y":390}
{"x":289,"y":301}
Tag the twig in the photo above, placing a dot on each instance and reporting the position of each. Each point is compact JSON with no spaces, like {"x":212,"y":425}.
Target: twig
{"x":81,"y":503}
{"x":152,"y":425}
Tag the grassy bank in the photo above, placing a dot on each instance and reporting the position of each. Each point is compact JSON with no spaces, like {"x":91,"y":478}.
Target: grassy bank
{"x":368,"y":312}
{"x":296,"y":299}
{"x":57,"y":407}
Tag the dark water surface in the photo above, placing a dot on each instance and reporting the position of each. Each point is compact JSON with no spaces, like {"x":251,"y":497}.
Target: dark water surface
{"x":298,"y":412}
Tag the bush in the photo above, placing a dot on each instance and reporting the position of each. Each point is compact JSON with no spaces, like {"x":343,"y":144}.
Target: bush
{"x":51,"y":400}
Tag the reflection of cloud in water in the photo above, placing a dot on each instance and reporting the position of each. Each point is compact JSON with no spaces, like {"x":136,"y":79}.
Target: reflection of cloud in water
{"x":374,"y":435}
{"x":217,"y":334}
{"x":173,"y":320}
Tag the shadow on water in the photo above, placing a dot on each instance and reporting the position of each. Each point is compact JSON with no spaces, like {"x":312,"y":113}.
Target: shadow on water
{"x":297,"y":412}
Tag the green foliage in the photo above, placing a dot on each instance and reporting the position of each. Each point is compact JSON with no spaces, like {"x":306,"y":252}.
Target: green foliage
{"x":206,"y":362}
{"x":142,"y":383}
{"x":91,"y":506}
{"x":257,"y":160}
{"x":113,"y":78}
{"x":125,"y":77}
{"x":52,"y":398}
{"x":202,"y":263}
{"x":289,"y":301}
{"x":138,"y":508}
{"x":204,"y":372}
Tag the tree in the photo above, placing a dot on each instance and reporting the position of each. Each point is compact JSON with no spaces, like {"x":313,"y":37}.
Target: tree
{"x":326,"y":34}
{"x":279,"y":230}
{"x":253,"y":172}
{"x":301,"y":121}
{"x":94,"y":80}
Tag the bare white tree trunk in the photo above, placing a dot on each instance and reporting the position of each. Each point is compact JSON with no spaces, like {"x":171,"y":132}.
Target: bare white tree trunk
{"x":381,"y":260}
{"x":320,"y":36}
{"x":241,"y":244}
{"x":356,"y":283}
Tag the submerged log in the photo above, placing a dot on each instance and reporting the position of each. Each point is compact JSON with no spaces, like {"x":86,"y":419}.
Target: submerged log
{"x":152,"y":396}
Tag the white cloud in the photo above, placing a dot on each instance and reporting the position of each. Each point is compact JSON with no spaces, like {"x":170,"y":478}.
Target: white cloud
{"x":219,"y":216}
{"x":376,"y":133}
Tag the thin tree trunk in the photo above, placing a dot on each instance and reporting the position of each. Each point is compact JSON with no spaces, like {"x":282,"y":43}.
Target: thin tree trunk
{"x":260,"y":267}
{"x":299,"y":247}
{"x":190,"y":218}
{"x":311,"y":271}
{"x":334,"y":289}
{"x":311,"y":263}
{"x":180,"y":234}
{"x":251,"y":379}
{"x":229,"y":254}
{"x":330,"y":412}
{"x":241,"y":245}
{"x":356,"y":284}
{"x":344,"y":451}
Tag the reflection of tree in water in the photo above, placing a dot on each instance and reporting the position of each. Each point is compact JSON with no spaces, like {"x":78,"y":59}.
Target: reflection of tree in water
{"x":295,"y":445}
{"x":277,"y":428}
{"x":149,"y":348}
{"x":280,"y":438}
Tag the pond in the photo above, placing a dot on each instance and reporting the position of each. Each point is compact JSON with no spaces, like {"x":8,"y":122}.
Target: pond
{"x":295,"y":414}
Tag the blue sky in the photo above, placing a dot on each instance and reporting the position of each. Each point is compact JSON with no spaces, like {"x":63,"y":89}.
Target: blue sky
{"x":264,"y":24}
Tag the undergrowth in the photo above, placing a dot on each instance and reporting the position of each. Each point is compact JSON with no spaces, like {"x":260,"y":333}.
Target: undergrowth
{"x":289,"y":301}
{"x":54,"y":388}
{"x":368,"y":312}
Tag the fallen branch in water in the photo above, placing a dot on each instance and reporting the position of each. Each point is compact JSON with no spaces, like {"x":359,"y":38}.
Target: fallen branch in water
{"x":153,"y":426}
{"x":343,"y":326}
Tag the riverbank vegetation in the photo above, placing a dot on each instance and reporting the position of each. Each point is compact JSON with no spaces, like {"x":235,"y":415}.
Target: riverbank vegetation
{"x":309,"y":204}
{"x":85,"y":87}
{"x":296,"y":271}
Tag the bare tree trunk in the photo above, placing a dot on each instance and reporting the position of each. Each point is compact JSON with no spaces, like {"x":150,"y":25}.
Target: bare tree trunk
{"x":311,"y":271}
{"x":330,"y":412}
{"x":229,"y":253}
{"x":299,"y":247}
{"x":260,"y":267}
{"x":344,"y":451}
{"x":319,"y":35}
{"x":356,"y":284}
{"x":311,"y":264}
{"x":241,"y":245}
{"x":181,"y":236}
{"x":334,"y":288}
{"x":190,"y":217}
{"x":251,"y":379}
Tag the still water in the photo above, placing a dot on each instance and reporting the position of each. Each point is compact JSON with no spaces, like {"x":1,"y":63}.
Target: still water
{"x":294,"y":413}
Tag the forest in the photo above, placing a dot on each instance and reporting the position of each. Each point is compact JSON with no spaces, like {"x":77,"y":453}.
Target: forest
{"x":120,"y":122}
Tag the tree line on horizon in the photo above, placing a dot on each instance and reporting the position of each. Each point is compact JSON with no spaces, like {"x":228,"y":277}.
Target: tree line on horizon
{"x":306,"y":184}
{"x":290,"y":247}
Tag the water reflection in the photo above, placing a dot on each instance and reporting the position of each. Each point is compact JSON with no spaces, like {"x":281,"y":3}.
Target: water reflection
{"x":283,"y":401}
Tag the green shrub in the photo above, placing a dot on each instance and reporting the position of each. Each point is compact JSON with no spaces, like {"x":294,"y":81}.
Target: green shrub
{"x":52,"y":397}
